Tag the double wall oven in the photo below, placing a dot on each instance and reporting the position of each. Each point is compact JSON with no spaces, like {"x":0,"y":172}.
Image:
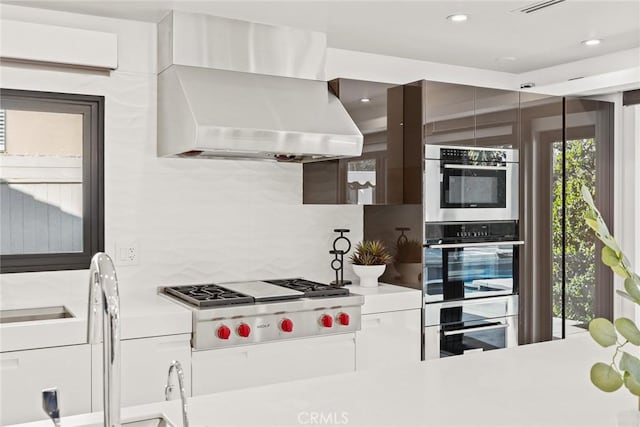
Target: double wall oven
{"x":471,"y":250}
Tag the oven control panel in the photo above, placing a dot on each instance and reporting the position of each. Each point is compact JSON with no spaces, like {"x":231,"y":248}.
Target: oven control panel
{"x":458,"y":232}
{"x":243,"y":330}
{"x":457,"y":155}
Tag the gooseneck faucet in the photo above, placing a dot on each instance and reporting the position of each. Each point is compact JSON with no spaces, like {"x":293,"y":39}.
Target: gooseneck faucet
{"x":177,"y":367}
{"x":103,"y":294}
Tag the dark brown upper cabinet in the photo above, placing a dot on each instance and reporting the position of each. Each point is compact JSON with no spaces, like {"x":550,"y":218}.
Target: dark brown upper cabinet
{"x":377,"y":176}
{"x":396,"y":121}
{"x":470,"y":116}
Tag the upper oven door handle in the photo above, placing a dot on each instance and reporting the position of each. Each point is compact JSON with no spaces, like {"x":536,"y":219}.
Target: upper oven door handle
{"x":476,"y":329}
{"x":499,"y":168}
{"x":475,"y":245}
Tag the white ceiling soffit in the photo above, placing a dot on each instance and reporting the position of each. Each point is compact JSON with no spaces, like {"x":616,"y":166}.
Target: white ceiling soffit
{"x":495,"y":33}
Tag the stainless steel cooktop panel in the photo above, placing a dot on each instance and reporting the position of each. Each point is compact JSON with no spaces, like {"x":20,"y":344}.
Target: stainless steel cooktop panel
{"x":263,"y":291}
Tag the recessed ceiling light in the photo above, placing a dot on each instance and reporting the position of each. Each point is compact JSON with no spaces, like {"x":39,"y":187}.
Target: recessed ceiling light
{"x":458,"y":17}
{"x":506,"y":58}
{"x":591,"y":42}
{"x":365,"y":100}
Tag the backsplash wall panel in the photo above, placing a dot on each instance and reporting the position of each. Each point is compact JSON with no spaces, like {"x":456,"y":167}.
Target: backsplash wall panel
{"x":194,"y":220}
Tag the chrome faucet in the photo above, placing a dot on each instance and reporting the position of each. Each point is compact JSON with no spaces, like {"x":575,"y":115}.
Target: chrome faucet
{"x":103,"y":292}
{"x":51,"y":405}
{"x":177,"y":367}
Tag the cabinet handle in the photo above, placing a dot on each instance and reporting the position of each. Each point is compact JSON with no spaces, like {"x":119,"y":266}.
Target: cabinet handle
{"x":475,"y":244}
{"x":13,"y":363}
{"x":478,"y":328}
{"x":502,"y":168}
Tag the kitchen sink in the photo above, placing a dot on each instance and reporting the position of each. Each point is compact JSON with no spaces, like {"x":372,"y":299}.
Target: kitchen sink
{"x":33,"y":314}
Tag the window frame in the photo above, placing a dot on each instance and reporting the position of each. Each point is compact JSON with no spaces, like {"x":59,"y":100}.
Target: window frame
{"x":92,"y":109}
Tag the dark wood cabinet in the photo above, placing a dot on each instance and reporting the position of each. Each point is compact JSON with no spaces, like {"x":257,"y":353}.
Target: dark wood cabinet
{"x":470,"y":116}
{"x":396,"y":121}
{"x":375,"y":177}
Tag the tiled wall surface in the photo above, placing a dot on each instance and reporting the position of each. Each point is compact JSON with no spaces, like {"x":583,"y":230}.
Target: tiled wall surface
{"x":193,"y":220}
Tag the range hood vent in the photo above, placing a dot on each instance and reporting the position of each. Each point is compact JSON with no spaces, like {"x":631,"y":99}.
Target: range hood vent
{"x":223,"y":94}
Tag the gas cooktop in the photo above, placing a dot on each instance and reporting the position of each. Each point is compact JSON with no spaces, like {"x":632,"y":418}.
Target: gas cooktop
{"x":234,"y":293}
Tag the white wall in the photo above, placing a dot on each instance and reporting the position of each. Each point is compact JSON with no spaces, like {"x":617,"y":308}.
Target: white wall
{"x":194,"y":220}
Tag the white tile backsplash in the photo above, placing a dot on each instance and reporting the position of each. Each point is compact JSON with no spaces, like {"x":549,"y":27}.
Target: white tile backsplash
{"x":194,"y":219}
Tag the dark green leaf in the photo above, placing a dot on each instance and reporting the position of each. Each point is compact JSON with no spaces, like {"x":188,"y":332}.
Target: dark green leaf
{"x":605,"y":377}
{"x":603,"y":332}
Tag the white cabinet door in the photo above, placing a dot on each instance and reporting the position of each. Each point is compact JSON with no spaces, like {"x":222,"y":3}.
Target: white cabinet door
{"x":386,"y":339}
{"x":25,"y":373}
{"x":145,"y":364}
{"x":254,"y":365}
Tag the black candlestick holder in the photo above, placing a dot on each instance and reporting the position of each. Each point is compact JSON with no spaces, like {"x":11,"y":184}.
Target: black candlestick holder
{"x":337,"y":264}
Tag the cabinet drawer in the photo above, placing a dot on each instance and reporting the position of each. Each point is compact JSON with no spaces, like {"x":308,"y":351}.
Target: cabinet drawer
{"x":386,"y":339}
{"x":260,"y":364}
{"x":25,"y":373}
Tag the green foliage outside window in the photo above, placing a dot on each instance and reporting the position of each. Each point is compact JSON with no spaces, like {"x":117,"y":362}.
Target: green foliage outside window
{"x":580,"y":242}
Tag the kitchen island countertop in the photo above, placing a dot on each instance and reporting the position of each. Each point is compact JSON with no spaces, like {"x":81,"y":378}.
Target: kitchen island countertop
{"x":544,"y":384}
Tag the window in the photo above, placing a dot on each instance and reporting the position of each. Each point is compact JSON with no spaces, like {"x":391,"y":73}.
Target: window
{"x":51,"y":180}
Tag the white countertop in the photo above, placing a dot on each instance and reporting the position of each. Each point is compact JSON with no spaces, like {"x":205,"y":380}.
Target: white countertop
{"x":141,"y":316}
{"x":536,"y":385}
{"x":384,"y":298}
{"x":148,"y":315}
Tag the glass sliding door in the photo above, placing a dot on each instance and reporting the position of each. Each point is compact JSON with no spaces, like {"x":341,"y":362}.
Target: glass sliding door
{"x":566,"y":143}
{"x":574,"y":245}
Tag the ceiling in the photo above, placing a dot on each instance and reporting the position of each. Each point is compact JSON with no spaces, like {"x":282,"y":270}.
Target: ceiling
{"x":497,"y":36}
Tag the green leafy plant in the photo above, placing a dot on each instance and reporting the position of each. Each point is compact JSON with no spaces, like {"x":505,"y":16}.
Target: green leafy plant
{"x":408,"y":251}
{"x":624,"y":368}
{"x":370,"y":252}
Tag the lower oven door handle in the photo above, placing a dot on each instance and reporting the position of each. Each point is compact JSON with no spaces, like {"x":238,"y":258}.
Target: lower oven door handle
{"x":481,"y":167}
{"x":479,"y":328}
{"x":475,"y":245}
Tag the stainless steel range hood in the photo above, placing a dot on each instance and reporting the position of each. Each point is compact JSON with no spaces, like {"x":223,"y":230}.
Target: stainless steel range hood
{"x":234,"y":89}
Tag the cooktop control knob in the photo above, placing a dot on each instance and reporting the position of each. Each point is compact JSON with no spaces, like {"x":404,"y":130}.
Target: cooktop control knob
{"x":224,"y":332}
{"x":244,"y":330}
{"x":343,"y":319}
{"x":326,"y":321}
{"x":286,"y":325}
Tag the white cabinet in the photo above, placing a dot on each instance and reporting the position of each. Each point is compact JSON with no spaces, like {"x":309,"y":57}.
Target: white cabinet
{"x":25,"y":373}
{"x":145,"y":364}
{"x":387,"y":339}
{"x":254,"y":365}
{"x":391,"y":328}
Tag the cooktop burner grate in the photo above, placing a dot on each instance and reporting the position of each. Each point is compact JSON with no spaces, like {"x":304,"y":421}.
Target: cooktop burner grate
{"x":208,"y":295}
{"x":310,"y":289}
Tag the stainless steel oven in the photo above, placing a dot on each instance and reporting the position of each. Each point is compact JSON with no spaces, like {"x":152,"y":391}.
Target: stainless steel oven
{"x":470,"y":184}
{"x":470,"y":287}
{"x":470,"y":260}
{"x":460,"y":327}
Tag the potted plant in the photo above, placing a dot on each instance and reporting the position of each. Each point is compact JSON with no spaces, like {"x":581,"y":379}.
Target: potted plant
{"x":369,"y":261}
{"x":408,"y":261}
{"x":624,"y":367}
